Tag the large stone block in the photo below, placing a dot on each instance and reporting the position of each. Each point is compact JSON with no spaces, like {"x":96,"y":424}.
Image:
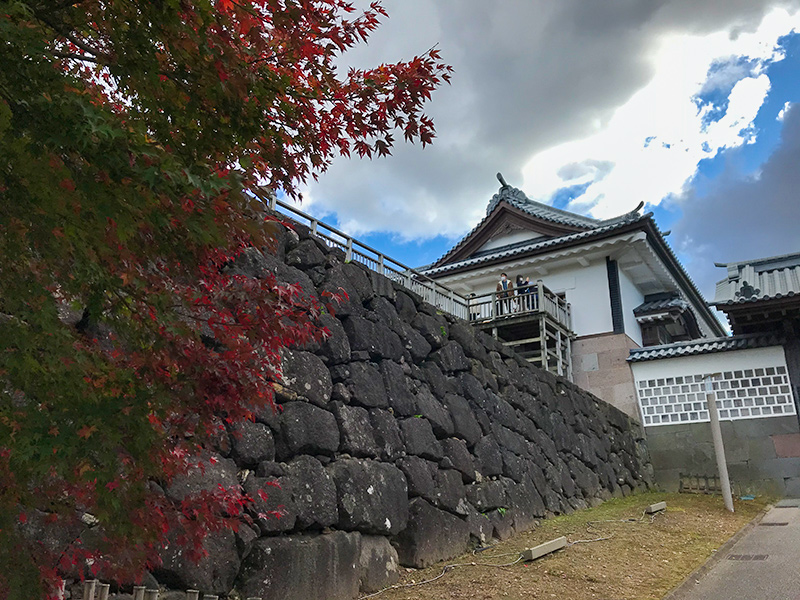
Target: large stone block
{"x":374,"y":338}
{"x":378,"y":564}
{"x":432,"y":535}
{"x":215,"y":573}
{"x":335,"y":348}
{"x":465,"y":426}
{"x":252,"y":443}
{"x":435,"y":412}
{"x":204,"y":474}
{"x":450,"y":493}
{"x":451,"y":358}
{"x":372,"y":496}
{"x":313,"y":493}
{"x":307,"y":429}
{"x":433,"y":329}
{"x":488,"y":457}
{"x":420,"y":476}
{"x":456,"y":450}
{"x":398,"y":394}
{"x":272,"y":506}
{"x":305,"y":256}
{"x":324,"y":567}
{"x":356,"y":431}
{"x":306,"y":375}
{"x":420,"y":440}
{"x":366,"y":385}
{"x":386,"y":433}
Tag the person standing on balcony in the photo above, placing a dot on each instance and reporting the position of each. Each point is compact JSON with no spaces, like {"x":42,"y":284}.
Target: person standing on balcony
{"x":505,"y":290}
{"x":523,"y":291}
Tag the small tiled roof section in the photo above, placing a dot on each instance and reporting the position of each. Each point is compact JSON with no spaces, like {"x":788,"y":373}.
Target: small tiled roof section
{"x":661,"y":305}
{"x":704,"y":346}
{"x":757,"y":280}
{"x":538,"y":244}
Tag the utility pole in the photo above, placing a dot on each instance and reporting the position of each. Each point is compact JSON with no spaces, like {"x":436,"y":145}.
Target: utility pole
{"x":719,"y":448}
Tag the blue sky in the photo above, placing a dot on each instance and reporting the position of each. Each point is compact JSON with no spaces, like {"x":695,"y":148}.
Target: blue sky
{"x":591,"y":107}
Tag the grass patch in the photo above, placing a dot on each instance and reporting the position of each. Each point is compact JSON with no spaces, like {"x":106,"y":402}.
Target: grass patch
{"x":642,"y":558}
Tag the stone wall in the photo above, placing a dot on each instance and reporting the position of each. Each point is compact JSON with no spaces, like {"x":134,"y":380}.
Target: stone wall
{"x":402,"y":439}
{"x":763,"y":454}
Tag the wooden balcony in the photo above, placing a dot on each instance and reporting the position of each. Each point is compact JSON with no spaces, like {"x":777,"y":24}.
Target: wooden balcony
{"x":536,"y":323}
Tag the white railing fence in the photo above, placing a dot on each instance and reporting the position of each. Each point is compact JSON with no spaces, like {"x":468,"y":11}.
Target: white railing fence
{"x":432,"y":292}
{"x":538,"y":298}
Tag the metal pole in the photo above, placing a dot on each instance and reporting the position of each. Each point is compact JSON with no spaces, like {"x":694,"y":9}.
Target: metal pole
{"x":719,"y":448}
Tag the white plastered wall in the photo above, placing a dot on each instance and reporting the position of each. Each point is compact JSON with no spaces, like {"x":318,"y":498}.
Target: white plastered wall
{"x":631,"y":298}
{"x":753,"y":384}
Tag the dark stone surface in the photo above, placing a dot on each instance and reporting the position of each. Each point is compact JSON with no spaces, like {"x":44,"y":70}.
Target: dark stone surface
{"x":374,"y":338}
{"x":273,"y":507}
{"x":204,"y":475}
{"x":451,"y":358}
{"x":456,"y":450}
{"x":386,"y":433}
{"x":372,"y":496}
{"x":465,"y":426}
{"x":252,"y":443}
{"x":432,"y":329}
{"x":415,"y":344}
{"x":335,"y":349}
{"x":450,"y":493}
{"x":406,"y":307}
{"x":419,"y":439}
{"x":305,"y":256}
{"x":347,"y":300}
{"x":378,"y":564}
{"x":213,"y":574}
{"x":432,"y":535}
{"x":435,"y":412}
{"x":487,"y":495}
{"x":398,"y":394}
{"x":313,"y":493}
{"x":306,"y":375}
{"x":302,"y":567}
{"x":420,"y":476}
{"x":356,"y":431}
{"x":487,"y":455}
{"x":438,"y":382}
{"x":307,"y":429}
{"x":366,"y":386}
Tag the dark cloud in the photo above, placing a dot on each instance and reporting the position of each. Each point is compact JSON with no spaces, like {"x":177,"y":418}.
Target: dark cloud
{"x":528,"y":75}
{"x":740,"y":219}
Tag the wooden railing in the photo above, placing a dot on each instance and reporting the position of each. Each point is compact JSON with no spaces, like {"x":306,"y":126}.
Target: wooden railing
{"x":432,"y":292}
{"x":474,"y":308}
{"x":536,"y":298}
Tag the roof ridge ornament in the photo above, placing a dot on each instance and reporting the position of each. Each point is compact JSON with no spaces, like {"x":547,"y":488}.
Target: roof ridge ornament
{"x":502,"y":180}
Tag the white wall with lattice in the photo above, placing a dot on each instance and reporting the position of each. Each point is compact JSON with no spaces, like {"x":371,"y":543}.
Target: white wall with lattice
{"x":748,"y":384}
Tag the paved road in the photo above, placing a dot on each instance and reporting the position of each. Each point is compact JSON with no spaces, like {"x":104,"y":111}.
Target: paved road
{"x":763,"y":565}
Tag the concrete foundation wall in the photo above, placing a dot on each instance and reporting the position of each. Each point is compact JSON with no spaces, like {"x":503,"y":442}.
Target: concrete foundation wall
{"x":763,"y":455}
{"x":599,"y":366}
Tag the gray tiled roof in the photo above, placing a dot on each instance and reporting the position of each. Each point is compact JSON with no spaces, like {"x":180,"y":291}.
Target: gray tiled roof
{"x":705,"y":346}
{"x":660,"y":305}
{"x":761,"y":279}
{"x":539,"y":244}
{"x":517,"y":198}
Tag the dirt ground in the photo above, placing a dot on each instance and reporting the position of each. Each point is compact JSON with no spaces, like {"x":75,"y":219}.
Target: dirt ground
{"x":640,"y":559}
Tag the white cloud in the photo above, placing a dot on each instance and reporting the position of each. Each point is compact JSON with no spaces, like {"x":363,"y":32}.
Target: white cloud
{"x":656,"y":139}
{"x":782,"y":113}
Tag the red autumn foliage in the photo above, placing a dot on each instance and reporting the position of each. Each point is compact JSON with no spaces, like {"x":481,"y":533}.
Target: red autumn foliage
{"x":130,"y":134}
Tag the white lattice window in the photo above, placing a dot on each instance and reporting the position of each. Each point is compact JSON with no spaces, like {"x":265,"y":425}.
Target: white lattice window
{"x":741,"y":394}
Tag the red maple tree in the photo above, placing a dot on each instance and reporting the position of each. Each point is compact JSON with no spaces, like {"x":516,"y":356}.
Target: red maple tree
{"x":130,"y":134}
